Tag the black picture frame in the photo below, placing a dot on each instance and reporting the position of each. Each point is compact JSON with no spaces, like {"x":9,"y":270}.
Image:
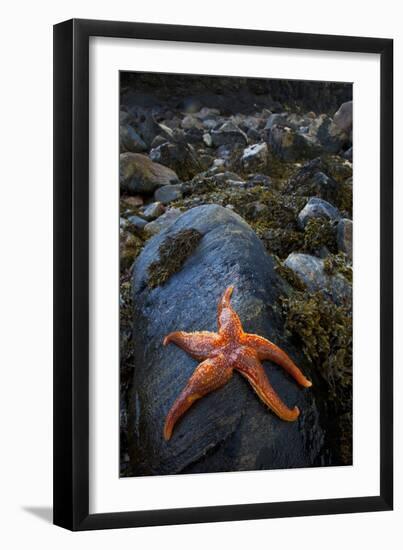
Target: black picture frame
{"x":71,"y":274}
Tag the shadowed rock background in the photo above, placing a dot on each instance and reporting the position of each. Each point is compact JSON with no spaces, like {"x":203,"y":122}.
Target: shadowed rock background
{"x":245,"y":182}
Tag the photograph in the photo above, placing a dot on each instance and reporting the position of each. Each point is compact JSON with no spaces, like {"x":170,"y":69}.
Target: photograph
{"x":236,"y":270}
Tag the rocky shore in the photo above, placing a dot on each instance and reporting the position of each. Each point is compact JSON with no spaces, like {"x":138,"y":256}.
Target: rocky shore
{"x":244,"y":182}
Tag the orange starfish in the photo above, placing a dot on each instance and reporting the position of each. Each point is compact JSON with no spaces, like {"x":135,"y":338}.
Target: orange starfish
{"x":220,"y":353}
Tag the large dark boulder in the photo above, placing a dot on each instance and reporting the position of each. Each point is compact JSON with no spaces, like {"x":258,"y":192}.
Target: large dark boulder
{"x":229,"y":429}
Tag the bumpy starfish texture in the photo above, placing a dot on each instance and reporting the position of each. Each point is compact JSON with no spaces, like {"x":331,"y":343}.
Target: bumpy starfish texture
{"x":220,"y":354}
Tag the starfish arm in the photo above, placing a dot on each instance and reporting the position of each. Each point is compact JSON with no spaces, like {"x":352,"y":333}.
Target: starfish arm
{"x":229,"y":324}
{"x":210,"y":375}
{"x":250,"y":367}
{"x":198,"y":345}
{"x":267,"y":350}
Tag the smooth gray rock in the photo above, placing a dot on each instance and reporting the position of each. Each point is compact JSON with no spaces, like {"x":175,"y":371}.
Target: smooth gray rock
{"x":343,"y":118}
{"x":139,"y":174}
{"x":164,"y":221}
{"x":311,"y":270}
{"x":137,"y":222}
{"x":229,"y":429}
{"x":168,"y":193}
{"x":345,"y":237}
{"x":317,"y":208}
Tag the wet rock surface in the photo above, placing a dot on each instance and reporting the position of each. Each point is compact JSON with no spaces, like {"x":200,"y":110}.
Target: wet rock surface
{"x":139,"y":174}
{"x":229,"y":429}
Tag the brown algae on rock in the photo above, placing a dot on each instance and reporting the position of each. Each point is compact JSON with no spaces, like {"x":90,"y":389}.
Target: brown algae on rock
{"x":173,"y":253}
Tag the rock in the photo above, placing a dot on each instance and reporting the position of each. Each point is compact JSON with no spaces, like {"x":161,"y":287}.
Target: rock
{"x":311,"y":270}
{"x":275,"y":119}
{"x":139,"y":174}
{"x":208,"y":140}
{"x":168,"y":193}
{"x":207,"y":113}
{"x":129,"y":140}
{"x":290,"y":145}
{"x":137,"y":222}
{"x":256,"y":209}
{"x":191,"y":121}
{"x":260,"y":179}
{"x":348,"y":155}
{"x":123,"y":223}
{"x":331,"y":137}
{"x":251,"y":123}
{"x":343,"y":118}
{"x":229,"y":134}
{"x":230,"y":429}
{"x":158,"y":140}
{"x":255,"y":157}
{"x":317,"y":208}
{"x":134,"y":201}
{"x":143,"y":122}
{"x":180,"y":157}
{"x":153,"y":211}
{"x":212,"y":123}
{"x":323,"y":177}
{"x":345,"y":237}
{"x":163,"y":222}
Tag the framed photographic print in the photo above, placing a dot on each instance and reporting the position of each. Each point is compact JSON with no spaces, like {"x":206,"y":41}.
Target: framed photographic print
{"x":223,"y":338}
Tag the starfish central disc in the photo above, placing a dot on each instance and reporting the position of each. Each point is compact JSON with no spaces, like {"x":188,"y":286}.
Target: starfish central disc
{"x":219,"y":354}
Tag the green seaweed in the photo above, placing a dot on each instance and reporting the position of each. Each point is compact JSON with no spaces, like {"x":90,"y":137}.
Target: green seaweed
{"x":336,"y":263}
{"x":130,"y":247}
{"x":173,"y":253}
{"x":290,"y":276}
{"x":324,"y":330}
{"x":320,"y":232}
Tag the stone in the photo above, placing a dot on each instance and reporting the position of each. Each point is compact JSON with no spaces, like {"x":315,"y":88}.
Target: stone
{"x":348,"y":155}
{"x":168,"y":193}
{"x":229,"y":134}
{"x":345,"y":237}
{"x":142,"y":120}
{"x":331,"y":137}
{"x":343,"y":118}
{"x":134,"y":201}
{"x":275,"y":119}
{"x":230,"y":429}
{"x":207,"y":113}
{"x":208,"y":140}
{"x":137,"y":222}
{"x":153,"y":211}
{"x":290,"y":145}
{"x":255,"y":157}
{"x":260,"y":179}
{"x":139,"y":174}
{"x":180,"y":157}
{"x":317,"y":208}
{"x":163,"y":222}
{"x":311,"y":270}
{"x":129,"y":140}
{"x":190,"y":121}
